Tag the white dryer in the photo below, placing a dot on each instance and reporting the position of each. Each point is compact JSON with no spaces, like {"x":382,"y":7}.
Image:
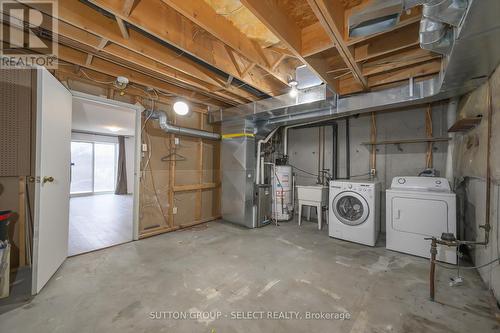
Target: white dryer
{"x":418,"y":208}
{"x":354,"y":211}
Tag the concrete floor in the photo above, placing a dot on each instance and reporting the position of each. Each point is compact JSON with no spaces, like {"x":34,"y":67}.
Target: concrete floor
{"x":221,"y":267}
{"x":99,"y":221}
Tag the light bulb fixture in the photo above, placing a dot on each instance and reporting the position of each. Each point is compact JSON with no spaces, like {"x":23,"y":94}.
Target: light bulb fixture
{"x":113,"y":129}
{"x":181,"y":108}
{"x":293,"y":88}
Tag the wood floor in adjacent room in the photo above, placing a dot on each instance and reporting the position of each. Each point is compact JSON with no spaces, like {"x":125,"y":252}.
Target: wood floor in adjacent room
{"x":226,"y":269}
{"x":99,"y":221}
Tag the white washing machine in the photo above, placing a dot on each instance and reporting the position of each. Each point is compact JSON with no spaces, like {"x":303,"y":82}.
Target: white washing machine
{"x":354,"y":211}
{"x":418,"y":208}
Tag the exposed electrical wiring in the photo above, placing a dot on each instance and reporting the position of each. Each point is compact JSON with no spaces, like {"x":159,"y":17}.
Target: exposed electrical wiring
{"x":88,"y":77}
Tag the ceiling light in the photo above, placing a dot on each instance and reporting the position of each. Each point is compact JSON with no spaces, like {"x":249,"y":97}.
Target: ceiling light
{"x":114,"y":129}
{"x":181,"y":108}
{"x":293,"y":88}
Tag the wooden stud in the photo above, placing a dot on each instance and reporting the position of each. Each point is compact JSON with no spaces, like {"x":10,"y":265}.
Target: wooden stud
{"x":373,"y":139}
{"x":429,"y":133}
{"x":171,"y":184}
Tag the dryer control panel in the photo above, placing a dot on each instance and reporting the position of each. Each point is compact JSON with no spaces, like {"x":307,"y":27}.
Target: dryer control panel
{"x":421,"y":184}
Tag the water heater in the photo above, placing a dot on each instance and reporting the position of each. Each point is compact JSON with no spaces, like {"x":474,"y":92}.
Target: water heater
{"x":282,"y":200}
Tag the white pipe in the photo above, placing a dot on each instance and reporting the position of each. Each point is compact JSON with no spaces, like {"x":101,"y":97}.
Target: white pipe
{"x":451,"y":116}
{"x":257,"y":171}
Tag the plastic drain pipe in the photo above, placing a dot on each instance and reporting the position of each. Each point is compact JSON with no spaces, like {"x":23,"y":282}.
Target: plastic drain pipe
{"x":259,"y":145}
{"x":164,"y":125}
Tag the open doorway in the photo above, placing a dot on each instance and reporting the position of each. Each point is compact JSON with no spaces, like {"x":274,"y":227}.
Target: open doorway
{"x":103,"y":153}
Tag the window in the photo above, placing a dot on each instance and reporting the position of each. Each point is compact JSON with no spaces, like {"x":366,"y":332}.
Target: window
{"x":93,"y":167}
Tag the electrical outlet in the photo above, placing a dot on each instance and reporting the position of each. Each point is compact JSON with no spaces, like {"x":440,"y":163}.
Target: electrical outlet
{"x":144,"y":147}
{"x":177,"y":141}
{"x":174,"y":210}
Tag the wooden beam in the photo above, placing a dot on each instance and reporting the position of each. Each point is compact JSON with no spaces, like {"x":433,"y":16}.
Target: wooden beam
{"x":203,"y":15}
{"x":77,"y":57}
{"x":398,"y":60}
{"x":168,"y":25}
{"x":138,"y":49}
{"x":399,"y":40}
{"x":66,"y":72}
{"x":272,"y":15}
{"x":128,"y":6}
{"x":349,"y":85}
{"x":331,"y":16}
{"x":315,"y":40}
{"x":123,"y":27}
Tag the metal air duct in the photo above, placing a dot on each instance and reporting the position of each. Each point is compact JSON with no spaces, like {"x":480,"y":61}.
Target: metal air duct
{"x":435,"y":36}
{"x":447,"y":11}
{"x":164,"y":125}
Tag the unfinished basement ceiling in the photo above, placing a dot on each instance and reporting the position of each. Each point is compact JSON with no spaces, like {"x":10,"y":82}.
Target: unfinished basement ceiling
{"x":231,"y":52}
{"x":244,"y":21}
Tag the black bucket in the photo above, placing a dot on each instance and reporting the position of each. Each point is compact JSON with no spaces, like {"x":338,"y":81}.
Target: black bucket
{"x":5,"y":218}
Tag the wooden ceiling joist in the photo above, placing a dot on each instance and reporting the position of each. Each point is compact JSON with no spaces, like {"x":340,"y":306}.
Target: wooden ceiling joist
{"x":166,"y":24}
{"x":67,"y":71}
{"x":203,"y":15}
{"x":349,"y":85}
{"x":272,"y":16}
{"x":139,"y":49}
{"x":331,"y":15}
{"x":73,"y":56}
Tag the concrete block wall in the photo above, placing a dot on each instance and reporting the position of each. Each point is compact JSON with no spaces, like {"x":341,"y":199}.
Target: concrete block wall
{"x":392,"y":160}
{"x":470,"y":168}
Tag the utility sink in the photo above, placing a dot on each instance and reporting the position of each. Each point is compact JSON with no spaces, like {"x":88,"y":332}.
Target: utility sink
{"x":318,"y":193}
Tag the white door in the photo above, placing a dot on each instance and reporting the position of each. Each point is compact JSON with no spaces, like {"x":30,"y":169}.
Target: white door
{"x":53,"y":158}
{"x":422,"y":216}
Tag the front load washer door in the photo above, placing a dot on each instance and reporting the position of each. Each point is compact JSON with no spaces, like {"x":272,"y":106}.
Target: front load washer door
{"x":350,"y":208}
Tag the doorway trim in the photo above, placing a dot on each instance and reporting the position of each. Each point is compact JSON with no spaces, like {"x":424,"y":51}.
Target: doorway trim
{"x":137,"y":161}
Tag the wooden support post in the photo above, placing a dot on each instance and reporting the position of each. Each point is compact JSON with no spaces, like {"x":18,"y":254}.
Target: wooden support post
{"x":197,"y":213}
{"x":429,"y":132}
{"x":373,"y":139}
{"x":22,"y":221}
{"x":171,"y":184}
{"x":199,"y":196}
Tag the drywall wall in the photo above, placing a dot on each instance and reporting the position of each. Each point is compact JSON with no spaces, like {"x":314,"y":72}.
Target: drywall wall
{"x":392,"y":160}
{"x":129,"y":151}
{"x":470,"y":172}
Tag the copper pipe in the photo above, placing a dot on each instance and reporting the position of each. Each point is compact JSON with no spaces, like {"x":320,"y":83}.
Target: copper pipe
{"x":487,"y":224}
{"x":433,"y":268}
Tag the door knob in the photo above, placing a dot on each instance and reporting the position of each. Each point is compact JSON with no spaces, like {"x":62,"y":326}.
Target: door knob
{"x":47,"y":180}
